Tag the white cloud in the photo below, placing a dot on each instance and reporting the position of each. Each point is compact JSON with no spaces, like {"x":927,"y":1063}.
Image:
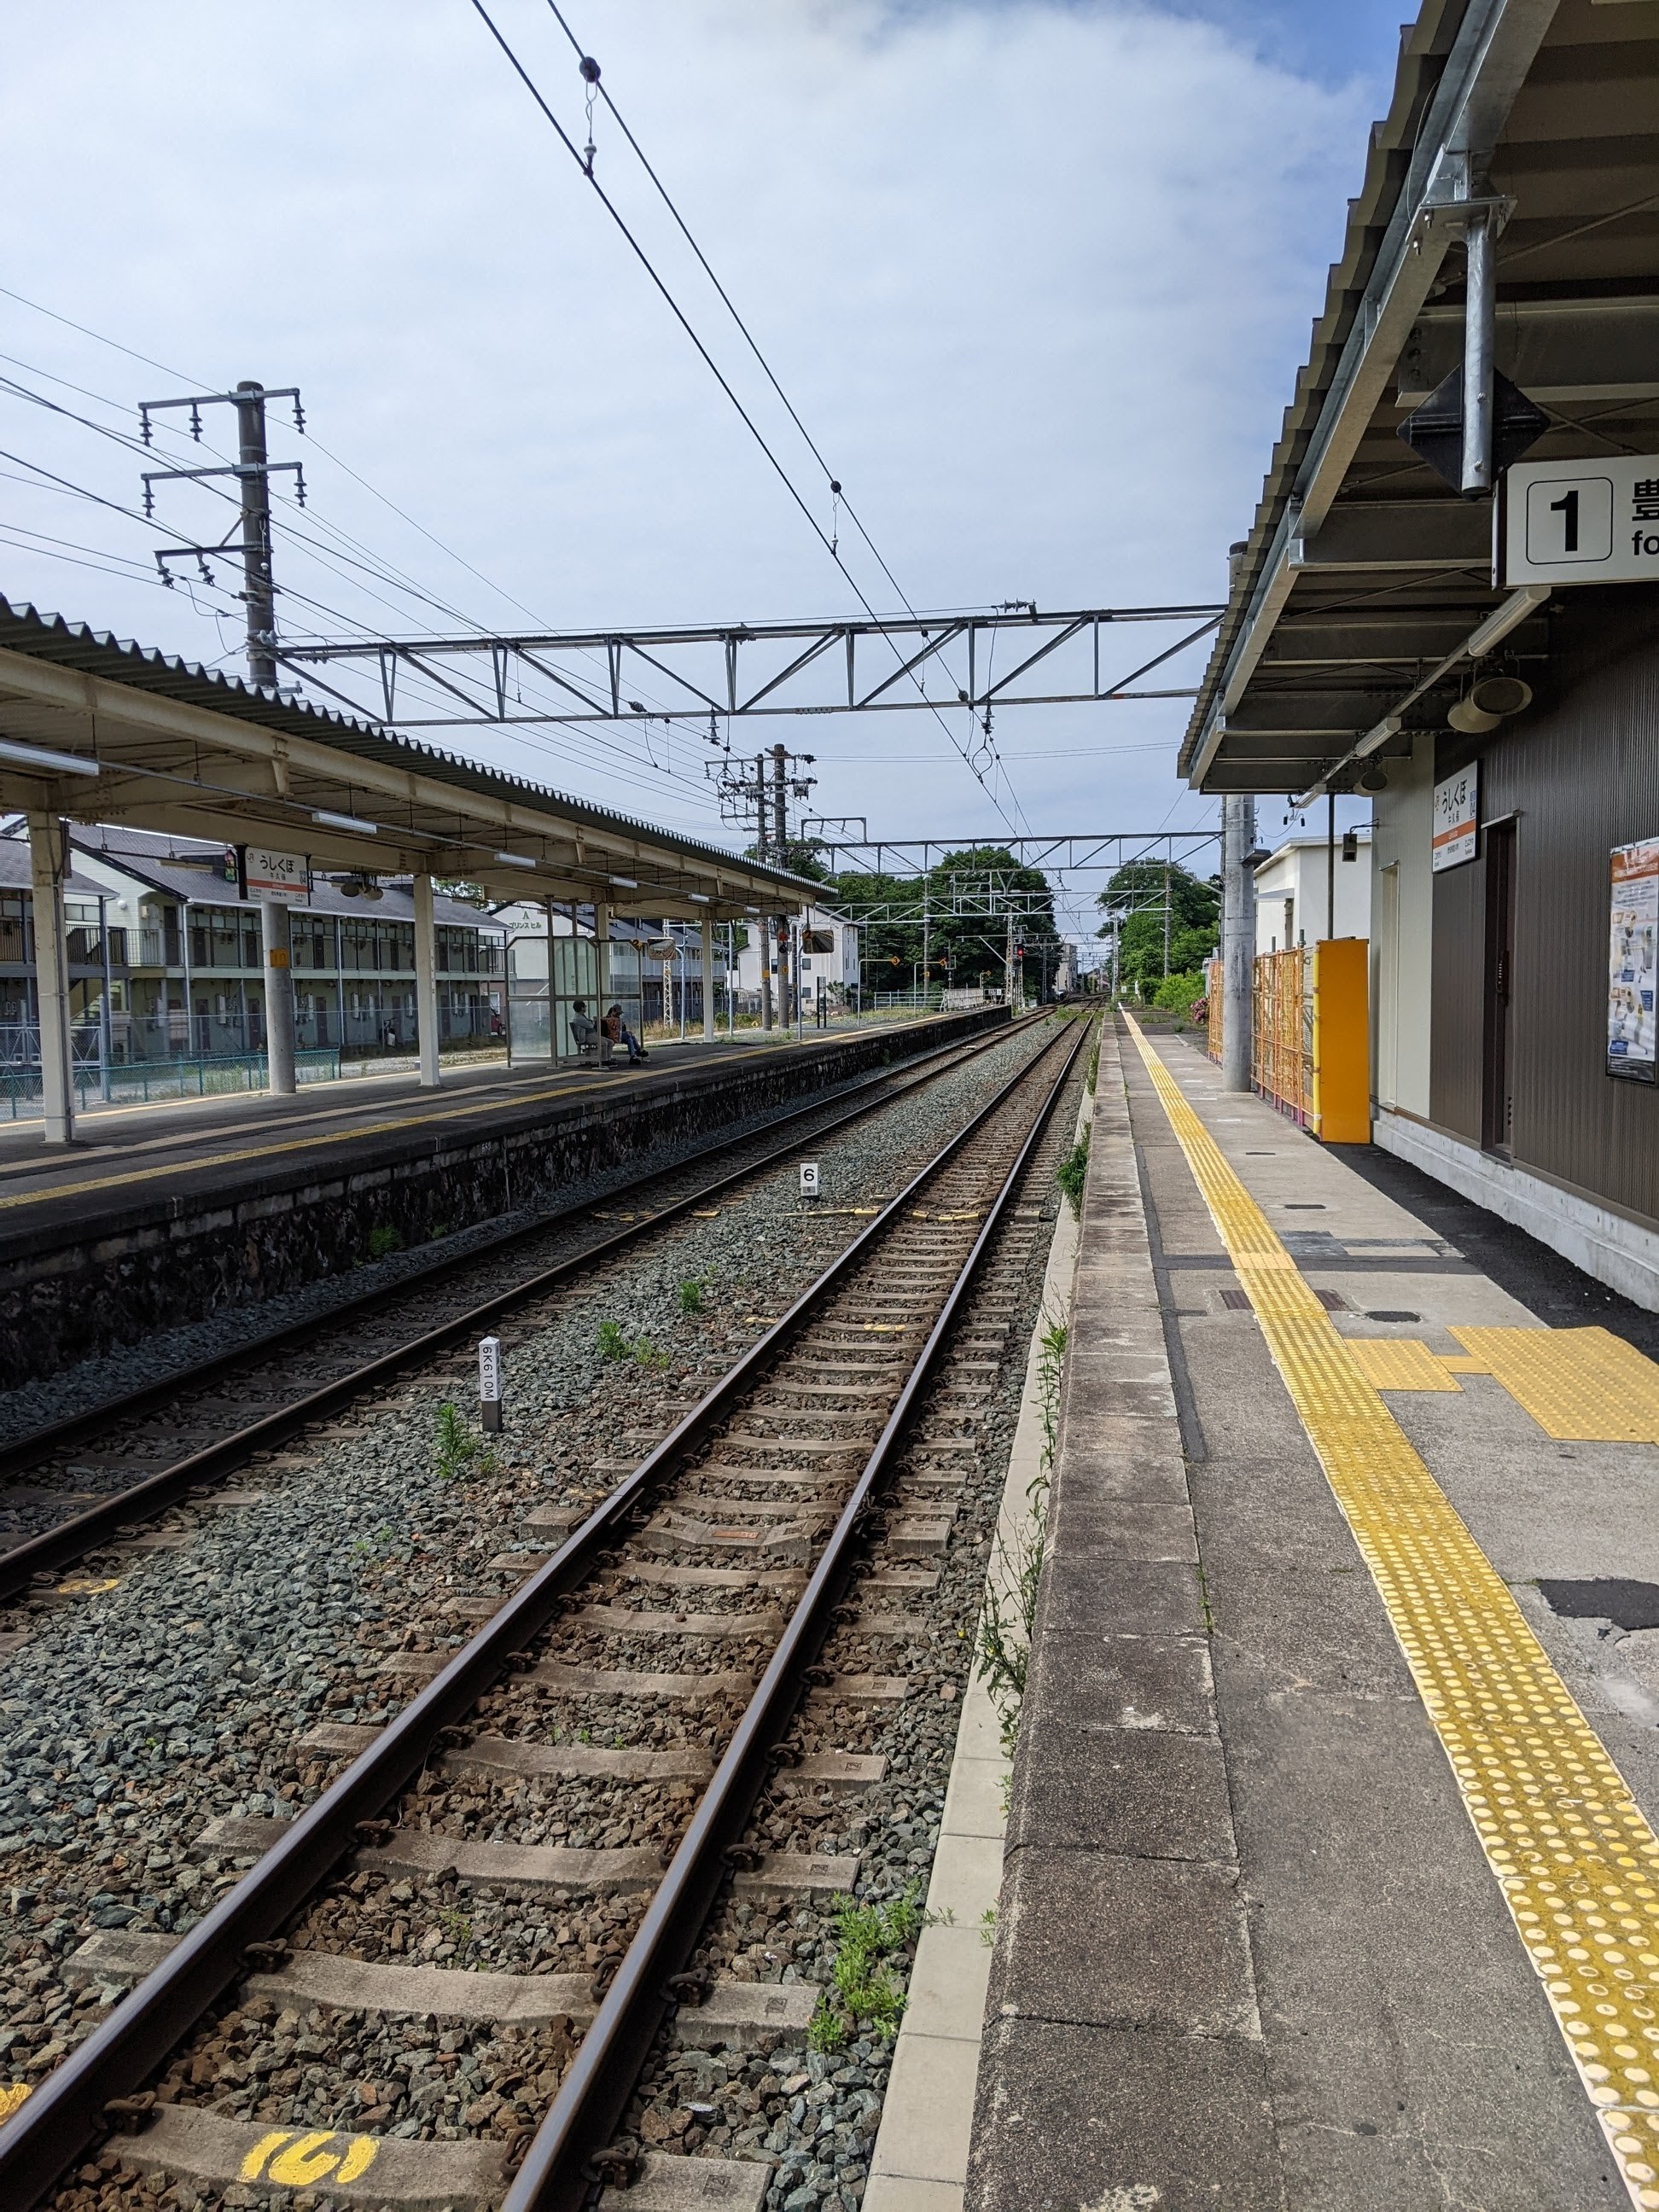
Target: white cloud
{"x":1037,"y":277}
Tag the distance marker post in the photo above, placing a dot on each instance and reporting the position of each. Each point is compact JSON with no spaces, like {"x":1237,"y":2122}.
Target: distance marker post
{"x":809,"y":1179}
{"x":489,"y":1385}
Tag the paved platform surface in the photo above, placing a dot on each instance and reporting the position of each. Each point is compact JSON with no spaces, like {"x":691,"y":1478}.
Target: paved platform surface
{"x":1331,"y":1880}
{"x":194,"y":1144}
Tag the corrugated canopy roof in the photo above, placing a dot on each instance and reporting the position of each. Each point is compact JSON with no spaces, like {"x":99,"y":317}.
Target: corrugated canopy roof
{"x":184,"y":750}
{"x":1362,"y":571}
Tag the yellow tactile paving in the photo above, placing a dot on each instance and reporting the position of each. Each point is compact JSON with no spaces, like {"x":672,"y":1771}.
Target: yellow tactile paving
{"x":1580,"y":1385}
{"x":1399,"y":1363}
{"x":1572,"y":1851}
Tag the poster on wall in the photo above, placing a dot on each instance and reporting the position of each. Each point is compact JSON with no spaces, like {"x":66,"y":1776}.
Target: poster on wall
{"x":1630,"y":964}
{"x":1456,"y":819}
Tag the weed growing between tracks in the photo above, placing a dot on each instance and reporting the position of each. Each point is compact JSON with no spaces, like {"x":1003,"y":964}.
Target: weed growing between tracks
{"x":862,"y":1991}
{"x":460,"y":1452}
{"x":1011,"y":1594}
{"x":1070,"y":1173}
{"x":615,"y":1343}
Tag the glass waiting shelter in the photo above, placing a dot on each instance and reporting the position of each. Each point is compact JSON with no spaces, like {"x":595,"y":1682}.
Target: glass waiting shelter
{"x":550,"y":978}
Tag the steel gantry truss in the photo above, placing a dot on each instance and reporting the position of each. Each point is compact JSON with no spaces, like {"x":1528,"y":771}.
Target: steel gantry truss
{"x":1059,"y":853}
{"x":747,"y":671}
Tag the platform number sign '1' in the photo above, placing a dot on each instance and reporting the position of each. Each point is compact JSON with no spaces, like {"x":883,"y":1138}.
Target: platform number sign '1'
{"x":1581,"y":522}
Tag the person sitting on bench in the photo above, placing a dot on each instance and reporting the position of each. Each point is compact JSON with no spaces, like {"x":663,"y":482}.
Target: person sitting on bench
{"x":590,"y":1039}
{"x":619,"y":1033}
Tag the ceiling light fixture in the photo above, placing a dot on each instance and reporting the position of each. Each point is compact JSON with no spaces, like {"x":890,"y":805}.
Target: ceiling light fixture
{"x":45,"y":763}
{"x":359,"y":828}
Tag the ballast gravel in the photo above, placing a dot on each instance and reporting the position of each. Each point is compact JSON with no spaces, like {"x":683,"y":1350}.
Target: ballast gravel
{"x":37,"y":1404}
{"x":165,"y":1688}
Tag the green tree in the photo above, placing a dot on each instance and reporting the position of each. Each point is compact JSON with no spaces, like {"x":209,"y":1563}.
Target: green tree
{"x":968,"y":894}
{"x":1139,"y":892}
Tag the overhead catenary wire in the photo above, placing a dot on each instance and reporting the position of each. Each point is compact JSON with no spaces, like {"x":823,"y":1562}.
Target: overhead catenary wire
{"x":713,"y":367}
{"x":629,"y":756}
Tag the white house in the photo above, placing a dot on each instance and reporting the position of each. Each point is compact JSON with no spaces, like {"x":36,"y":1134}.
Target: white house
{"x":830,"y":953}
{"x":1297,"y":885}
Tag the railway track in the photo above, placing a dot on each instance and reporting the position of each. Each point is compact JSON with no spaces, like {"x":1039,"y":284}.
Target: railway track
{"x":194,"y":1426}
{"x":829,"y":1456}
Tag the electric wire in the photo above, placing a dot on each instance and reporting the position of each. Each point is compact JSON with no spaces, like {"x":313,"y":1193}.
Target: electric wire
{"x":714,"y":370}
{"x":116,"y":345}
{"x":830,"y":478}
{"x":374,"y":565}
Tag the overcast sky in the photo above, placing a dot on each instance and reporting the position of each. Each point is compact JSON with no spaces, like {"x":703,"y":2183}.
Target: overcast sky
{"x":1037,"y":278}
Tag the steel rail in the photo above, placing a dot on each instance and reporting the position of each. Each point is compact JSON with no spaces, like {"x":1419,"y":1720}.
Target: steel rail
{"x":18,"y":1455}
{"x":556,"y":2173}
{"x":53,"y":2129}
{"x":72,"y":1540}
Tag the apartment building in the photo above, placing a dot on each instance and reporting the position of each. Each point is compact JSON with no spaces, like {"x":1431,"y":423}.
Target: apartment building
{"x":167,"y":960}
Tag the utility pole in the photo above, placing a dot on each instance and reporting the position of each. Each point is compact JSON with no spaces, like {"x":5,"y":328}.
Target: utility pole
{"x":780,"y":803}
{"x":763,"y":845}
{"x":259,"y":587}
{"x":1166,"y":917}
{"x":1237,"y":939}
{"x":766,"y":790}
{"x":252,"y":471}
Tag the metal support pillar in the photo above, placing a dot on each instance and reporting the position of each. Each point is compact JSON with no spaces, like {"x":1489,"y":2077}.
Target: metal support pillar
{"x":1237,"y":940}
{"x":708,"y":979}
{"x":279,"y":996}
{"x":1330,"y":864}
{"x":426,"y":980}
{"x":602,"y":957}
{"x":1479,"y":330}
{"x":46,"y":872}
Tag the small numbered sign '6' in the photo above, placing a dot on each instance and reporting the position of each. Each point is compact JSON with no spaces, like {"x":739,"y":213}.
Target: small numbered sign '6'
{"x":809,"y":1178}
{"x":489,"y":1383}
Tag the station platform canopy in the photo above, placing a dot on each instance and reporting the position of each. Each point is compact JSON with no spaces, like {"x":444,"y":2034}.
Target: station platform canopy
{"x":1368,"y":585}
{"x":99,"y":731}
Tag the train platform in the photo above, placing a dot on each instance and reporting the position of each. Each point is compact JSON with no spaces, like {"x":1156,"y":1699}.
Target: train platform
{"x":1330,"y":1880}
{"x":159,"y":1215}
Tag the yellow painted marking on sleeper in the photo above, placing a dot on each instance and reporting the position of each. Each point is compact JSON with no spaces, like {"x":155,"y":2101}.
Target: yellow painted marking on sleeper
{"x":1573,"y":1852}
{"x":323,"y":2154}
{"x":12,"y":2094}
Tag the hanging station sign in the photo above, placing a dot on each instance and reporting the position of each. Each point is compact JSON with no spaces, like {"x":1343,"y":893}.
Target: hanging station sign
{"x":1631,"y":962}
{"x":1456,"y":822}
{"x":1581,"y":522}
{"x":273,"y":875}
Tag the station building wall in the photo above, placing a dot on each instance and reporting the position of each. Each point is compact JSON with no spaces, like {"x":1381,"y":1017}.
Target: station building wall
{"x":1573,"y":776}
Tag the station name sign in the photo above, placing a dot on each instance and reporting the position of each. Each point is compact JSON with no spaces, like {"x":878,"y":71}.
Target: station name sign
{"x":1580,"y":522}
{"x":259,"y":873}
{"x":1456,"y":819}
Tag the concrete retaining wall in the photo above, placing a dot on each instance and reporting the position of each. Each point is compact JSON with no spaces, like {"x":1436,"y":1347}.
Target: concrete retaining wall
{"x":69,"y":1290}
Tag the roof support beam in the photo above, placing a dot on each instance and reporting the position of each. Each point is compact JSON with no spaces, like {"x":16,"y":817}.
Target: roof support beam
{"x":1488,"y":63}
